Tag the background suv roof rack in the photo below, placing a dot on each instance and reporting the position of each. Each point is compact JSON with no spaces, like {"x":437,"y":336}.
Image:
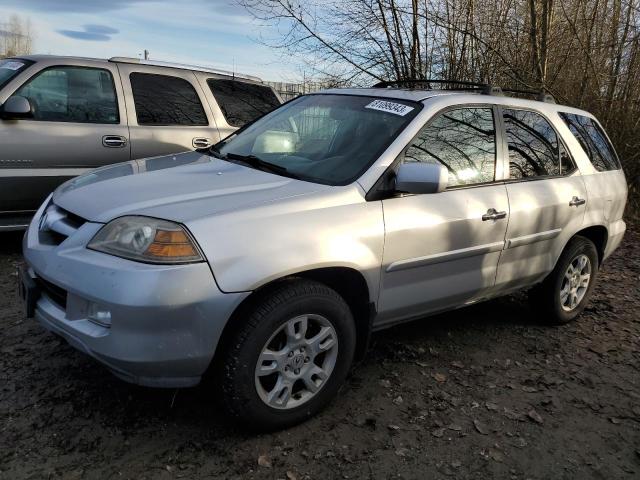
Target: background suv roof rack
{"x":483,"y":88}
{"x":184,"y":66}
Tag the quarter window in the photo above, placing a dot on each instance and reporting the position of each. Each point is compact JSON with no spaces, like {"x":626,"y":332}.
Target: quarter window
{"x":463,"y":140}
{"x":72,"y":94}
{"x":242,"y":102}
{"x":534,"y":149}
{"x":166,"y":100}
{"x":593,"y":141}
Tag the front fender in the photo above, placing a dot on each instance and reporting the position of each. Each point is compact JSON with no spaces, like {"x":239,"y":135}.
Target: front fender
{"x":248,"y":248}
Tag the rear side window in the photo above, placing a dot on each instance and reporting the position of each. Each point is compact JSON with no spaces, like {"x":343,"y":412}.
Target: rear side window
{"x":593,"y":141}
{"x":534,"y":149}
{"x":463,"y":140}
{"x":72,"y":94}
{"x":242,"y":102}
{"x":166,"y":100}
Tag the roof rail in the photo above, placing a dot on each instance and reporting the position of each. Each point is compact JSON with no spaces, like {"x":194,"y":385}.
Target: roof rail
{"x":185,"y":66}
{"x":484,"y":88}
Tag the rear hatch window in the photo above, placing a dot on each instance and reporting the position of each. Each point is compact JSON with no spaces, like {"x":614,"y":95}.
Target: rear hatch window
{"x":10,"y":67}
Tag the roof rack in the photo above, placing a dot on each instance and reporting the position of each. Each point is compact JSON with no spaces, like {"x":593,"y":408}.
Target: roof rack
{"x":484,"y":88}
{"x":185,"y":66}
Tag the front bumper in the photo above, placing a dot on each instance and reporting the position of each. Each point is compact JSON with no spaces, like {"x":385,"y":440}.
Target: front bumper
{"x":166,"y":320}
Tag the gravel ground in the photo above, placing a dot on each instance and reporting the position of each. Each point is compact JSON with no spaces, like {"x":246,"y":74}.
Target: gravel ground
{"x":484,"y":392}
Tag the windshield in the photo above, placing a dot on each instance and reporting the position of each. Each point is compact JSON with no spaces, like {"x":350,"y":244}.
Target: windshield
{"x":329,"y":139}
{"x":10,"y":67}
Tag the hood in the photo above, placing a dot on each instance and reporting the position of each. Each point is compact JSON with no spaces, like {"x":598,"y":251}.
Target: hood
{"x":178,"y":187}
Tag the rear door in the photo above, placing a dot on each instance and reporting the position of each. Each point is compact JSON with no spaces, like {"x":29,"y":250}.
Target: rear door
{"x":79,"y":123}
{"x":547,"y":198}
{"x":167,"y":110}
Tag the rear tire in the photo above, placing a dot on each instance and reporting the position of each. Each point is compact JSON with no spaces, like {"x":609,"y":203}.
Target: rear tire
{"x":563,"y":295}
{"x":289,"y":357}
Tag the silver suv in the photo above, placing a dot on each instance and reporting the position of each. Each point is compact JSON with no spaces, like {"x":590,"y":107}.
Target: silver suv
{"x":62,"y":116}
{"x":269,"y":259}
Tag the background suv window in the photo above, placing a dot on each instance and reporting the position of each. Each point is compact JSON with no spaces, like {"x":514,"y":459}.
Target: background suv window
{"x":166,"y":100}
{"x":72,"y":94}
{"x":593,"y":141}
{"x":533,"y":145}
{"x":242,"y":102}
{"x":463,"y":140}
{"x":10,"y":67}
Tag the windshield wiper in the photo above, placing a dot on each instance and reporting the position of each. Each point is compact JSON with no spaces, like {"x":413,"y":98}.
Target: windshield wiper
{"x":260,"y":164}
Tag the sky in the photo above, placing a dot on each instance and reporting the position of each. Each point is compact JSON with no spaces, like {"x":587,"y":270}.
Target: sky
{"x":217,"y":33}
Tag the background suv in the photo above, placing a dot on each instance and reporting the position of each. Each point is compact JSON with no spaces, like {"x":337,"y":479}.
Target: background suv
{"x":61,"y":116}
{"x":269,"y":258}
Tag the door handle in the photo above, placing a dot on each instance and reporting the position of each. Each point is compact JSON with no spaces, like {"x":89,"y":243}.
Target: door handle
{"x":201,"y":142}
{"x":493,"y":214}
{"x":575,"y":201}
{"x":114,"y":141}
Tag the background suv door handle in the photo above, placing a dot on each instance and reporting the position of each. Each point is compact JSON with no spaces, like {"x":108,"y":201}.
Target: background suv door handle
{"x":492,"y":214}
{"x":201,"y":142}
{"x":114,"y":141}
{"x":575,"y":201}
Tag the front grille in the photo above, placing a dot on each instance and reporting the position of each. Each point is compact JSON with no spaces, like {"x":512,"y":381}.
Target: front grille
{"x":58,"y":295}
{"x":57,"y":224}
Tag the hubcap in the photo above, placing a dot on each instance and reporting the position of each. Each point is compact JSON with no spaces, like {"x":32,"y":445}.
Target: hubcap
{"x":296,"y":361}
{"x":575,"y":283}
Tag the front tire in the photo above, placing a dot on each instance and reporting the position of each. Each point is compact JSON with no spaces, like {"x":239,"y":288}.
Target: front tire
{"x":290,"y":355}
{"x":564,"y":294}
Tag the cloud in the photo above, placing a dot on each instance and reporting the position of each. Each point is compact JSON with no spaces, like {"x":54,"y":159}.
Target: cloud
{"x":104,"y":29}
{"x":99,"y":6}
{"x":75,"y":6}
{"x":92,"y":33}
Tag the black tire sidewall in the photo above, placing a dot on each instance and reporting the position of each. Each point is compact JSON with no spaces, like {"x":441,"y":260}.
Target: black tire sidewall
{"x":248,"y":406}
{"x":578,"y":246}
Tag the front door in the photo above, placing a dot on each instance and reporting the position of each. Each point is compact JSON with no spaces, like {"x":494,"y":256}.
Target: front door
{"x":78,"y":124}
{"x":442,"y":249}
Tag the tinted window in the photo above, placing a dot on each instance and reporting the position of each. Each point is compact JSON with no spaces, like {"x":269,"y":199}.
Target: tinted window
{"x":533,"y":145}
{"x":10,"y":67}
{"x":242,"y":102}
{"x":593,"y":141}
{"x":165,"y":100}
{"x":463,"y":140}
{"x":72,"y":94}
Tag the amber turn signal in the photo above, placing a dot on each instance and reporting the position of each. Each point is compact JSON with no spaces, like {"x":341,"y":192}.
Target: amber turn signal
{"x":171,"y":243}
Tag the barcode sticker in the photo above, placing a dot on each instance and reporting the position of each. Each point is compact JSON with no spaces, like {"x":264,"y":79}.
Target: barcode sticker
{"x":11,"y":65}
{"x":390,"y":107}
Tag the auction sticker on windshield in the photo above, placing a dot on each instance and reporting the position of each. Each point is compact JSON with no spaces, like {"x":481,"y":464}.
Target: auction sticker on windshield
{"x":390,"y":107}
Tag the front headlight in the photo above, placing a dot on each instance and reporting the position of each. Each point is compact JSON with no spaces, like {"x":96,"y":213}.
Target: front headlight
{"x":146,"y":239}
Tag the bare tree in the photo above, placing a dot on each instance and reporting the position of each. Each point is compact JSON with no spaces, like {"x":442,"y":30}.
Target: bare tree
{"x":585,"y":52}
{"x":16,"y":37}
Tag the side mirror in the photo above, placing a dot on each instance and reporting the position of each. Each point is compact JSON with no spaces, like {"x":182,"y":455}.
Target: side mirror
{"x":16,"y":108}
{"x":416,"y":177}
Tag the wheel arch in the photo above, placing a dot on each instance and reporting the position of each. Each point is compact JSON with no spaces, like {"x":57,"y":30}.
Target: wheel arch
{"x":598,"y":234}
{"x":348,"y":282}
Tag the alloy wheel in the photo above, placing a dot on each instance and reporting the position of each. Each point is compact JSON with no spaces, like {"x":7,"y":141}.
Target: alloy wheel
{"x":296,"y":361}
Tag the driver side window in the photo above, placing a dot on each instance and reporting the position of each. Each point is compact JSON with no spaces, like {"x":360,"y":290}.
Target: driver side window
{"x":72,"y":94}
{"x":463,"y":140}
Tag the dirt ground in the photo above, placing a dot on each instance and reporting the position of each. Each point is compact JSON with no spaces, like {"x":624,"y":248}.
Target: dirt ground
{"x":484,"y":392}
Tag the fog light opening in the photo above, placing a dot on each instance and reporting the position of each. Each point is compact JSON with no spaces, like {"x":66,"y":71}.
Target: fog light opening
{"x":99,"y":315}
